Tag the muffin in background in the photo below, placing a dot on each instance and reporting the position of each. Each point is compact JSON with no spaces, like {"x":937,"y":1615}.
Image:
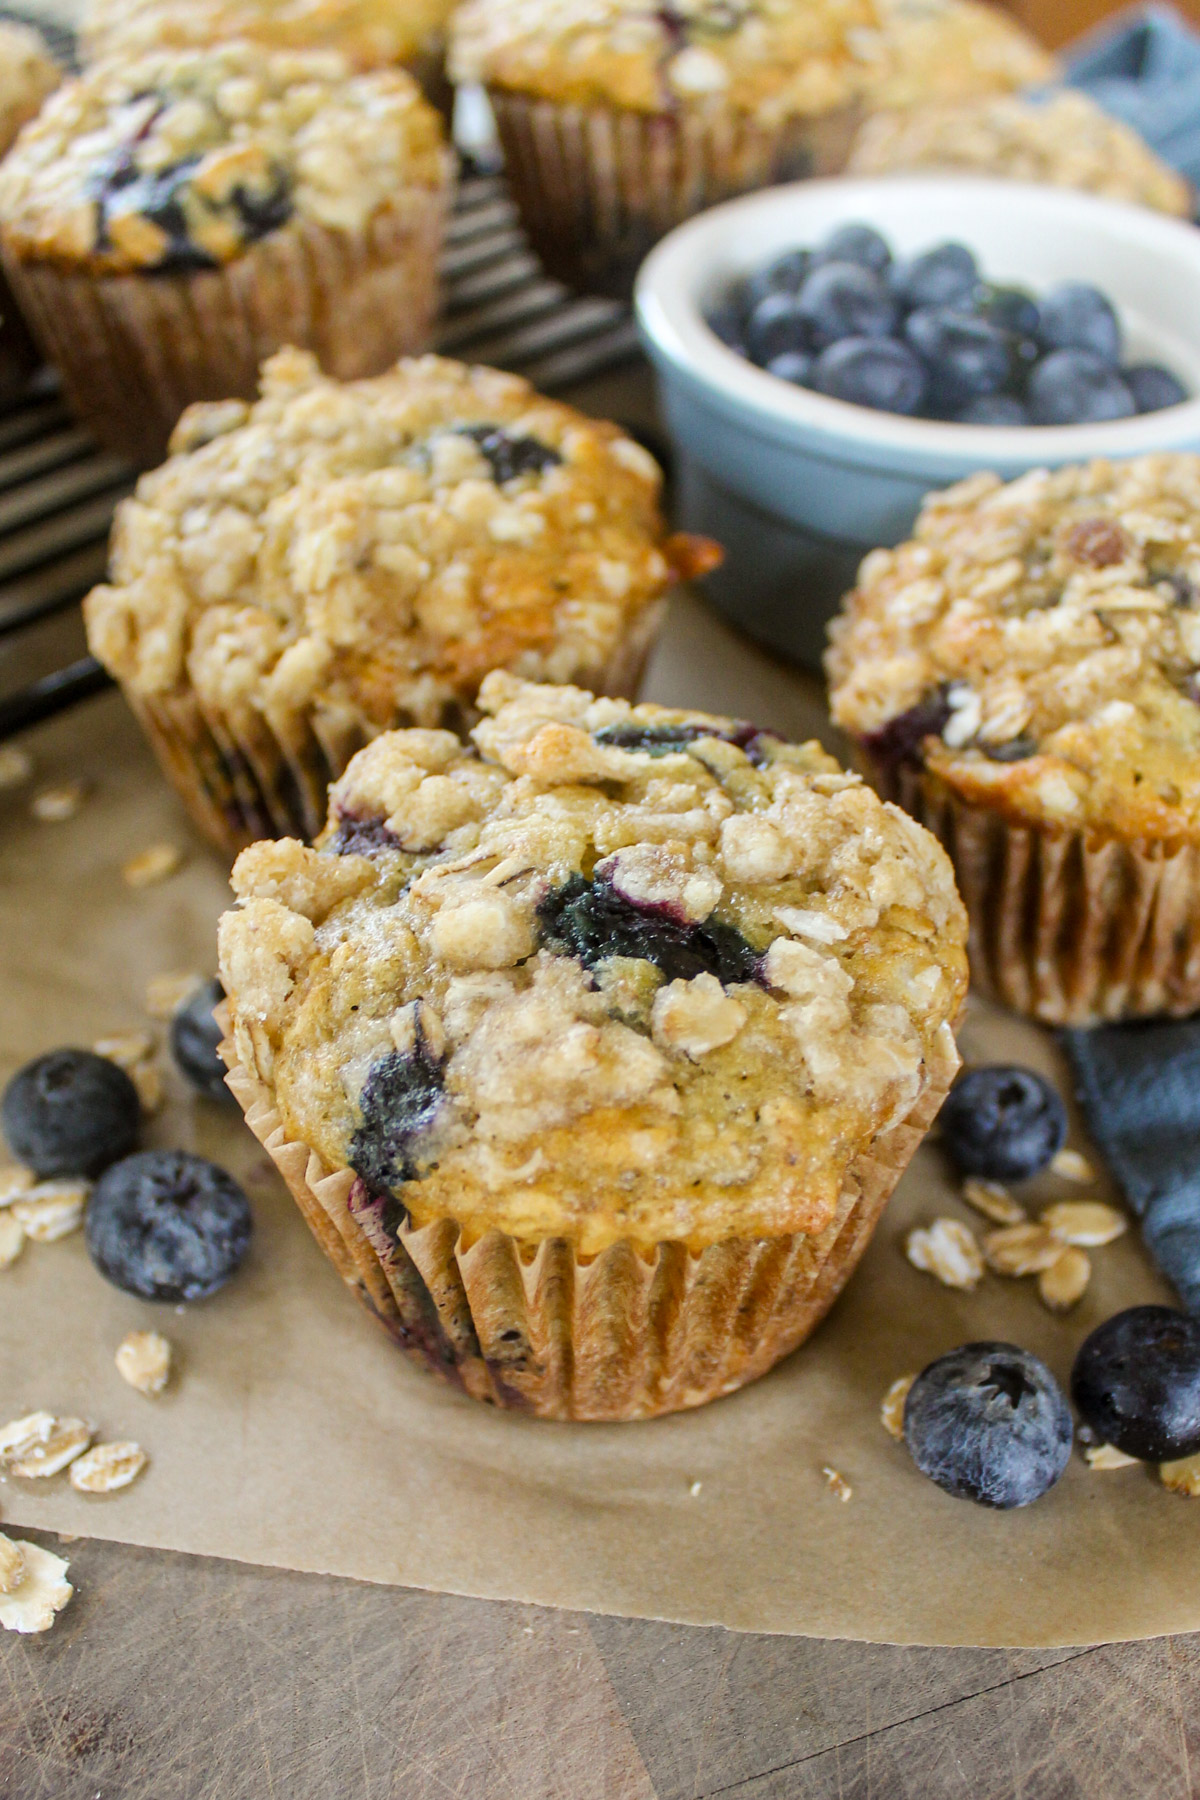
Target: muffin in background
{"x":1064,"y":140}
{"x":370,"y":34}
{"x":339,"y":559}
{"x":592,"y":1054}
{"x":1024,"y":677}
{"x":168,"y":222}
{"x":28,"y":74}
{"x":619,"y":121}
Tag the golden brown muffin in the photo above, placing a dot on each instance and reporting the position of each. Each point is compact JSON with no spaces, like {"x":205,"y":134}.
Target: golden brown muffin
{"x":1023,"y":675}
{"x":342,"y":558}
{"x":593,"y":1052}
{"x":168,"y":222}
{"x":27,"y":75}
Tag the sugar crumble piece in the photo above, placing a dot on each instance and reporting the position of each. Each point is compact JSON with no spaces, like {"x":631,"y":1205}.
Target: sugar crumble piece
{"x":948,"y":1251}
{"x":152,"y":865}
{"x":143,"y":1359}
{"x":54,"y":805}
{"x":41,"y":1595}
{"x":891,"y":1411}
{"x":837,"y":1483}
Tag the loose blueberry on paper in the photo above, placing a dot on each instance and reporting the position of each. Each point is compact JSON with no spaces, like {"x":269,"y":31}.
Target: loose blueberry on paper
{"x":988,"y":1422}
{"x":194,"y":1037}
{"x":1002,"y":1122}
{"x":167,"y":1226}
{"x":929,"y":337}
{"x":1136,"y":1382}
{"x":70,"y":1113}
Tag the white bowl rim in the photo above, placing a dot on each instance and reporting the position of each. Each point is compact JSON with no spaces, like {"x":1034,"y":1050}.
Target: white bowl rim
{"x":671,"y":322}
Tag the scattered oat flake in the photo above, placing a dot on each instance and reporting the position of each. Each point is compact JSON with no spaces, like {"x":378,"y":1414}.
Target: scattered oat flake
{"x":147,"y":1079}
{"x":144,"y":1360}
{"x":16,"y":766}
{"x":947,"y":1250}
{"x":54,"y":804}
{"x":1065,"y":1281}
{"x":35,"y":1602}
{"x":14,"y":1181}
{"x":51,"y":1210}
{"x":994,"y":1201}
{"x":1107,"y":1456}
{"x":1182,"y":1476}
{"x":694,"y":1488}
{"x":20,"y":1435}
{"x":151,"y":865}
{"x":50,"y":1452}
{"x":1021,"y":1249}
{"x":12,"y":1239}
{"x":1071,"y":1165}
{"x":165,"y":994}
{"x":1088,"y":1223}
{"x":891,"y":1412}
{"x":125,"y":1048}
{"x":106,"y":1467}
{"x":12,"y":1565}
{"x":837,"y":1482}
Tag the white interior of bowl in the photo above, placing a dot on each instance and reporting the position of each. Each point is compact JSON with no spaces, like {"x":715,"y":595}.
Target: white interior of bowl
{"x":1030,"y":236}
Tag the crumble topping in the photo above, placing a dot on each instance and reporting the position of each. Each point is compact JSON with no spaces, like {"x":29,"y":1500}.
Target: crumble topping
{"x":27,"y":74}
{"x":182,"y":160}
{"x":1065,"y":140}
{"x":359,"y":553}
{"x":370,"y":33}
{"x":570,"y":1012}
{"x":770,"y":58}
{"x":1037,"y":645}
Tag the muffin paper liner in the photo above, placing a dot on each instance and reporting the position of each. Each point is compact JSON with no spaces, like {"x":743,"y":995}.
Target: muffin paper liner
{"x":244,"y":775}
{"x":597,"y":187}
{"x":1068,"y":927}
{"x":621,"y":1335}
{"x":135,"y":350}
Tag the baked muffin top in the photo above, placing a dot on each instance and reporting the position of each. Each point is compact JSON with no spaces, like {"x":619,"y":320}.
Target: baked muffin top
{"x":618,"y":972}
{"x":1065,"y":140}
{"x":182,"y":159}
{"x":27,"y":74}
{"x":1037,"y":644}
{"x":776,"y":59}
{"x":369,"y":33}
{"x":371,"y":549}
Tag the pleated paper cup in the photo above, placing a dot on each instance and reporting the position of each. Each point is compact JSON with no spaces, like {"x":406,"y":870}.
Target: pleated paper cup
{"x":597,"y":187}
{"x":135,"y":350}
{"x":536,"y":1328}
{"x":1067,"y":927}
{"x":244,"y":775}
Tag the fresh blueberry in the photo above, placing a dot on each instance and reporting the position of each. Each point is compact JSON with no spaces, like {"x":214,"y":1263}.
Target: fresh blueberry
{"x":590,"y":920}
{"x":507,"y":456}
{"x":362,"y":834}
{"x":194,"y":1037}
{"x":727,"y":321}
{"x":993,"y":409}
{"x":1077,"y":316}
{"x":965,"y":356}
{"x":783,"y":276}
{"x":1002,"y":1122}
{"x":939,"y":277}
{"x":1153,"y":387}
{"x":70,"y":1113}
{"x":265,"y":211}
{"x":1009,"y":308}
{"x":988,"y":1422}
{"x":899,"y":741}
{"x":1074,"y":387}
{"x":860,"y":244}
{"x":775,"y":327}
{"x":792,"y":365}
{"x":400,"y":1101}
{"x":1017,"y":749}
{"x":876,"y":372}
{"x":661,"y":740}
{"x":1136,"y":1381}
{"x":167,"y":1226}
{"x":840,"y":300}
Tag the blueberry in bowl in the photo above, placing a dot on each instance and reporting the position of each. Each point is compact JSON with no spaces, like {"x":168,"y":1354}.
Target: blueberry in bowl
{"x":988,"y":1422}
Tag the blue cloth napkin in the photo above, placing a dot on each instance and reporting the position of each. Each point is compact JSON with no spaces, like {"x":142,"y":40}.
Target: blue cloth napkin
{"x":1139,"y":1087}
{"x":1144,"y":67}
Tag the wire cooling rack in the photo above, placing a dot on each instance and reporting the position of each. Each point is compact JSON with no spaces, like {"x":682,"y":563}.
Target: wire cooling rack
{"x":58,"y":489}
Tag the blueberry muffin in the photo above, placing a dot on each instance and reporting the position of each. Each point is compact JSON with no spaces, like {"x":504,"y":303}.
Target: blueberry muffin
{"x":27,"y":75}
{"x":920,"y":52}
{"x":168,"y":222}
{"x":593,"y":1052}
{"x":1065,"y":140}
{"x":619,"y":119}
{"x":370,"y":34}
{"x":341,"y":558}
{"x":1024,"y":677}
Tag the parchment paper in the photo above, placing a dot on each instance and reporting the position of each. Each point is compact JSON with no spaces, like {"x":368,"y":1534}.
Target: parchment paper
{"x":296,"y":1435}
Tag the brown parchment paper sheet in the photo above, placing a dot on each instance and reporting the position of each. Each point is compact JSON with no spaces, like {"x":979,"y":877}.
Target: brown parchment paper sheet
{"x":295,"y":1434}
